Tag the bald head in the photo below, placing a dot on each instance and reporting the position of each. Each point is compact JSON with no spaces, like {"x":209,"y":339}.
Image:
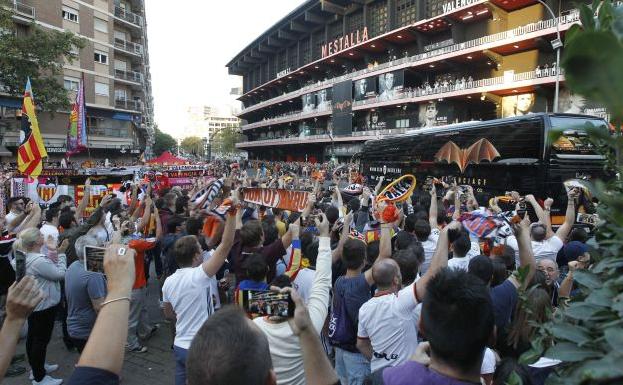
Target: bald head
{"x":385,"y":273}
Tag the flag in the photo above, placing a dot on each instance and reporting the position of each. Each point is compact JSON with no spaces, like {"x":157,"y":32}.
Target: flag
{"x":76,"y":129}
{"x":31,"y":150}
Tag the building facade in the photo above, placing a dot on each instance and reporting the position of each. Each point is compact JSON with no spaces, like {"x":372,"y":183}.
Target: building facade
{"x":115,"y":67}
{"x":206,"y":121}
{"x":333,"y":74}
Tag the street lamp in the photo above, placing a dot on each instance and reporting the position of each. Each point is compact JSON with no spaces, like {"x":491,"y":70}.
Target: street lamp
{"x":556,"y":45}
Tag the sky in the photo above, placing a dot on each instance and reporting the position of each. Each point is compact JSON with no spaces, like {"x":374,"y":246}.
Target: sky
{"x":191,"y":41}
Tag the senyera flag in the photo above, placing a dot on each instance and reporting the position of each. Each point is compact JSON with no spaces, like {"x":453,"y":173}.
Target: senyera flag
{"x":76,"y":129}
{"x":31,"y":150}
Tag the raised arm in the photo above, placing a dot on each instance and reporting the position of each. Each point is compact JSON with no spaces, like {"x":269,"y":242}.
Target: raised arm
{"x":318,"y":369}
{"x":337,"y":253}
{"x":385,"y":248}
{"x":457,"y":204}
{"x":212,"y":265}
{"x":159,"y":229}
{"x":526,"y":255}
{"x":146,"y":214}
{"x":318,"y":301}
{"x":377,"y":188}
{"x":439,"y":260}
{"x":22,"y":298}
{"x":85,"y":200}
{"x":432,"y":211}
{"x":565,"y":228}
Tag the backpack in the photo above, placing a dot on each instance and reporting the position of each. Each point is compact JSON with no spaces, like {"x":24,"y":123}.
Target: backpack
{"x":342,"y":333}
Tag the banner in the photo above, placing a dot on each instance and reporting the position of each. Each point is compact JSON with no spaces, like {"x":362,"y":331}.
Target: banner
{"x":77,"y":127}
{"x":31,"y":150}
{"x":277,"y":198}
{"x":343,"y":108}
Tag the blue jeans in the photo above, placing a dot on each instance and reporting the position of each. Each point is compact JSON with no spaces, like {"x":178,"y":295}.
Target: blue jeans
{"x":351,"y":368}
{"x":180,"y":365}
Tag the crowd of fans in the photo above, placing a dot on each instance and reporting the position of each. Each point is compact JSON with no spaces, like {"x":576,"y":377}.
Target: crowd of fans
{"x":412,"y":292}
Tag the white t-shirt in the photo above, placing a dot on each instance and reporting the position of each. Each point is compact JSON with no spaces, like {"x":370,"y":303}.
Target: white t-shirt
{"x":463,"y":263}
{"x":429,"y":247}
{"x":489,"y":362}
{"x":188,"y":290}
{"x":547,"y":249}
{"x":47,"y":230}
{"x":10,"y":216}
{"x":303,"y":283}
{"x":205,"y":255}
{"x":387,"y":321}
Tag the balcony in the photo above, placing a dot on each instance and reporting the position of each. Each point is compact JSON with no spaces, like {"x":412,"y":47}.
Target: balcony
{"x":289,"y":117}
{"x":24,"y":10}
{"x":128,"y":104}
{"x":361,"y":136}
{"x":528,"y":31}
{"x":129,"y":47}
{"x":130,"y":76}
{"x":463,"y":88}
{"x":130,"y":17}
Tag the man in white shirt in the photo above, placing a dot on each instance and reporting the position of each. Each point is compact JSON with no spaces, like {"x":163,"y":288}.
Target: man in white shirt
{"x":16,"y":211}
{"x":186,"y":293}
{"x":50,"y":226}
{"x":461,"y":255}
{"x":387,"y":334}
{"x":285,"y":348}
{"x":546,"y":243}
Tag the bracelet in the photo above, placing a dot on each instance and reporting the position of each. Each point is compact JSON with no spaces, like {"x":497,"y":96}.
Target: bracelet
{"x":115,"y":300}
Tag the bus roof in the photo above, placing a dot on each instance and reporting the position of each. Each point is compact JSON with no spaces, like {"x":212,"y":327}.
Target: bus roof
{"x":479,"y":123}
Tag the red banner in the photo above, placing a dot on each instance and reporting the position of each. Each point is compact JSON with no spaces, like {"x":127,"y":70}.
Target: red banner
{"x":277,"y":198}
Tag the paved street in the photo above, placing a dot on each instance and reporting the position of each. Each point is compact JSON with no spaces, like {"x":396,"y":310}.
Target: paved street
{"x":156,"y":367}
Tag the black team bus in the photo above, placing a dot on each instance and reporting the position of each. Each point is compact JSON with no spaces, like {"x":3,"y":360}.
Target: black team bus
{"x":495,"y":157}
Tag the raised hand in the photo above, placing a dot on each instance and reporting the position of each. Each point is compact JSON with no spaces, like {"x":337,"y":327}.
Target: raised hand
{"x":22,"y":298}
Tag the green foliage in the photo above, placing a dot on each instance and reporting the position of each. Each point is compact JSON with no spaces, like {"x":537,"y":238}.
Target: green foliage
{"x":587,"y":335}
{"x":224,"y":142}
{"x":163,"y":142}
{"x":38,"y":54}
{"x":193,"y":145}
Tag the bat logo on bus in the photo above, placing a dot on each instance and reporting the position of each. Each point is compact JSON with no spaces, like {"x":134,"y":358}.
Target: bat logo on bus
{"x":477,"y":152}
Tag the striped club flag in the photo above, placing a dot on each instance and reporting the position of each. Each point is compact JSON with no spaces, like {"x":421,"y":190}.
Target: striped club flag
{"x":31,"y":150}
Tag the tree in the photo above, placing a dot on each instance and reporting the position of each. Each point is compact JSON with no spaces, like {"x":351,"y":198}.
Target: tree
{"x":40,"y":54}
{"x":225,"y":140}
{"x":163,"y":142}
{"x":587,"y":335}
{"x":193,"y":145}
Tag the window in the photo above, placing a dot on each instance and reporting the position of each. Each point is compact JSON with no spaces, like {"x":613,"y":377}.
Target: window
{"x":435,"y":7}
{"x":402,"y":123}
{"x":100,"y":25}
{"x":101,"y":89}
{"x":120,"y":35}
{"x":71,"y":84}
{"x":121,"y":65}
{"x":121,"y":95}
{"x":70,"y":14}
{"x":378,"y":18}
{"x":406,"y":11}
{"x":101,"y":57}
{"x":74,"y":51}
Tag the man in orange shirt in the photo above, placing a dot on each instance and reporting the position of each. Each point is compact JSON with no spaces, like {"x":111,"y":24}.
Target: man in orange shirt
{"x":138,"y":323}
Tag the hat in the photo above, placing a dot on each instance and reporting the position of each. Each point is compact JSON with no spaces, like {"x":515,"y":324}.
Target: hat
{"x":574,"y":249}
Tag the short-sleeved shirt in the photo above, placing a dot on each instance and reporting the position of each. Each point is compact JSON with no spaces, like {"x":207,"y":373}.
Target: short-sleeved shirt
{"x":547,"y":249}
{"x":504,"y":299}
{"x":387,"y":321}
{"x":84,"y":375}
{"x":188,"y":290}
{"x":429,"y":246}
{"x":81,"y":287}
{"x":414,"y":373}
{"x":140,"y":246}
{"x":356,"y":292}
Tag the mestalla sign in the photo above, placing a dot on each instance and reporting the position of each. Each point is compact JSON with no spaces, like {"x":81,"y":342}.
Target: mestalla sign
{"x":344,"y":42}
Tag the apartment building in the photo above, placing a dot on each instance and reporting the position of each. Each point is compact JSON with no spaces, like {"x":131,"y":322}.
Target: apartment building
{"x":334,"y":73}
{"x":115,"y":67}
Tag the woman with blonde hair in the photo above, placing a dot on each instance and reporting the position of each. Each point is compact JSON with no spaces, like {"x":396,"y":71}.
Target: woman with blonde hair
{"x":48,"y":270}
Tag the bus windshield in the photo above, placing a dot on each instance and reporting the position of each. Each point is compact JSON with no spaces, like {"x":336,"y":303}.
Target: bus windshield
{"x":574,"y":138}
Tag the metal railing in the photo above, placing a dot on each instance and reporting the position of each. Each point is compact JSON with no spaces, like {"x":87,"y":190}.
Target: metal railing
{"x":128,"y":16}
{"x":569,"y":18}
{"x":24,"y":10}
{"x":128,"y":46}
{"x":289,"y":117}
{"x":131,"y":76}
{"x":128,"y":104}
{"x":356,"y":135}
